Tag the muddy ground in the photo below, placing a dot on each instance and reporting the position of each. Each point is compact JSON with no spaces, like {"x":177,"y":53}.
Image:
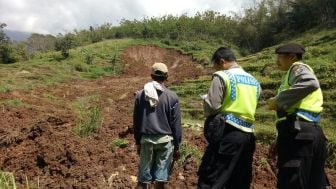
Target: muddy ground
{"x":38,"y":145}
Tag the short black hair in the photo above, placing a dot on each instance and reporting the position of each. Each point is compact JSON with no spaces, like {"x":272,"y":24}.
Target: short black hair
{"x":224,"y":53}
{"x":159,"y":76}
{"x":299,"y":56}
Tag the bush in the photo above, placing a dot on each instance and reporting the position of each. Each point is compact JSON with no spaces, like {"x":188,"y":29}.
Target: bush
{"x":8,"y":54}
{"x":64,"y":44}
{"x":89,"y":56}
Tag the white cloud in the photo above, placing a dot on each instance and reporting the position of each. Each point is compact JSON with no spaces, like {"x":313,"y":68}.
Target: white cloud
{"x":54,"y":16}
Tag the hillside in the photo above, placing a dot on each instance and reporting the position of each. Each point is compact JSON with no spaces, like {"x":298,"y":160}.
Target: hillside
{"x":67,"y":122}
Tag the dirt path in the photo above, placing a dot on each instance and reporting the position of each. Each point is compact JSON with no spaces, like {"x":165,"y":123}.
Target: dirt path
{"x":38,"y":145}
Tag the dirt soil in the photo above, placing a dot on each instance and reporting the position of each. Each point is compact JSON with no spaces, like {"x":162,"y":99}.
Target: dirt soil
{"x":38,"y":145}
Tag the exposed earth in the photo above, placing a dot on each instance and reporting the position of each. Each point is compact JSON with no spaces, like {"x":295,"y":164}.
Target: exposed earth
{"x":38,"y":145}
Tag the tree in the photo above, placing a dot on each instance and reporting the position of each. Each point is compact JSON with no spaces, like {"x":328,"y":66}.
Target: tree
{"x":39,"y":42}
{"x":7,"y":51}
{"x":64,"y":44}
{"x":3,"y":38}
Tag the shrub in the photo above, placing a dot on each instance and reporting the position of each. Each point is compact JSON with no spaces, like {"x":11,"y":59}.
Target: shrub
{"x":88,"y":121}
{"x":89,"y":56}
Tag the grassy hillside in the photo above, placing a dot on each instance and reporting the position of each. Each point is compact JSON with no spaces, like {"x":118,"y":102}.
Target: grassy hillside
{"x":91,"y":61}
{"x":86,"y":62}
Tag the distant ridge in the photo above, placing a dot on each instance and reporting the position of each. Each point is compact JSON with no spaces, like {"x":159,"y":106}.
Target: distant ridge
{"x":17,"y":35}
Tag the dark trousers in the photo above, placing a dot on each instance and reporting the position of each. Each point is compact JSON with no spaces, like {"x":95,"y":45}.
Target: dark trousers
{"x":301,"y":156}
{"x":227,"y":161}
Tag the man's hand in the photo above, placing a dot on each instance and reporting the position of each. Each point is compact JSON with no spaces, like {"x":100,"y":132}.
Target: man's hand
{"x":176,"y":154}
{"x":272,"y":152}
{"x":138,"y":149}
{"x":272,"y":104}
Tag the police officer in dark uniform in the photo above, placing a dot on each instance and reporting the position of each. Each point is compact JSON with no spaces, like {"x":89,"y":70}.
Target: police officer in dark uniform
{"x":301,"y":143}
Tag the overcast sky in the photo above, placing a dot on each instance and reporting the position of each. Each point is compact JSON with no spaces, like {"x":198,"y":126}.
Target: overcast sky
{"x":60,"y":16}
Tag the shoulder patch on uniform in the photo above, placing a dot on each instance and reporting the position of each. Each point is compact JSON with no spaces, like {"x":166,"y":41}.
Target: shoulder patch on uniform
{"x":297,"y":70}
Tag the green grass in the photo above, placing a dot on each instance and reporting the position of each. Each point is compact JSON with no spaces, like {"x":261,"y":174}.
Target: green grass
{"x":5,"y":88}
{"x":7,"y":180}
{"x":188,"y":150}
{"x":89,"y":115}
{"x":119,"y":142}
{"x":88,"y":121}
{"x":13,"y":102}
{"x":86,"y":62}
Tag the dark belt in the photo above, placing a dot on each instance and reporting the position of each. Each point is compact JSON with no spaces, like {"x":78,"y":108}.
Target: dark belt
{"x":296,"y":127}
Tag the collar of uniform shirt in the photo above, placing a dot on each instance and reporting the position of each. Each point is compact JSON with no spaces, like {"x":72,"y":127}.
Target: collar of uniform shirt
{"x":234,"y":66}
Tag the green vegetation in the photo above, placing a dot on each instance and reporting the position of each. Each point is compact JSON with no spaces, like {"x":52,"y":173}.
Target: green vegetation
{"x":5,"y":88}
{"x":7,"y":180}
{"x":119,"y":142}
{"x":89,"y":116}
{"x":89,"y":120}
{"x":188,"y":150}
{"x":332,"y":154}
{"x":261,"y":25}
{"x":189,"y":93}
{"x":13,"y":102}
{"x":88,"y":62}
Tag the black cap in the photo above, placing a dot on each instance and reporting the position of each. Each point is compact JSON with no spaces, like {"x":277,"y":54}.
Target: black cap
{"x":290,"y":48}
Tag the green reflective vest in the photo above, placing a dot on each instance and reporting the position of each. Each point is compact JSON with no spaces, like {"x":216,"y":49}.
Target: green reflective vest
{"x":310,"y":107}
{"x":240,"y":99}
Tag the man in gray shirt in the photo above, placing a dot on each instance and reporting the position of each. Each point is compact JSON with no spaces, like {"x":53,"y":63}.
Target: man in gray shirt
{"x":300,"y":144}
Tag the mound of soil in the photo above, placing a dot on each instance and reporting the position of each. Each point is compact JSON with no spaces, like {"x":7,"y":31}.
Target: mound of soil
{"x":138,"y":60}
{"x":38,"y":145}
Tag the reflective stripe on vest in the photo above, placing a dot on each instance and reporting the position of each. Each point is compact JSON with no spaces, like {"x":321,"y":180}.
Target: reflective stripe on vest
{"x":310,"y":107}
{"x":240,"y":101}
